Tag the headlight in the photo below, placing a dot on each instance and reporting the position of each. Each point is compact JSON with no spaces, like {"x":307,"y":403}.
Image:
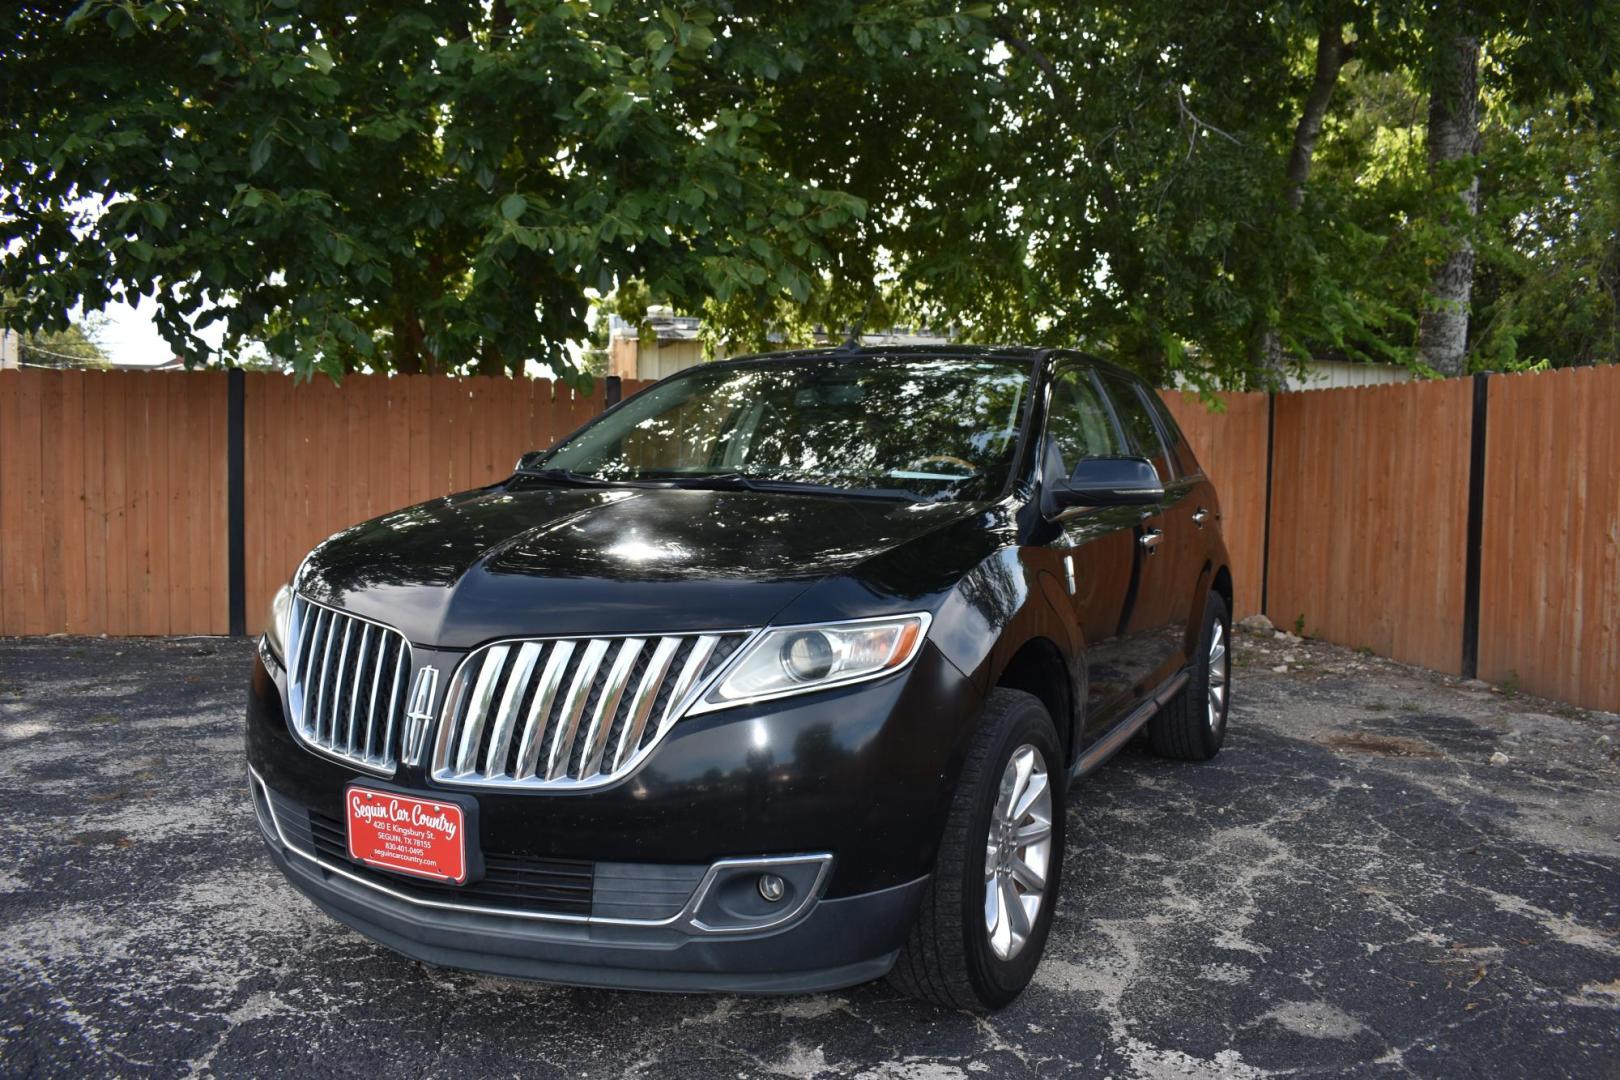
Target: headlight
{"x":801,"y":659}
{"x":275,"y":626}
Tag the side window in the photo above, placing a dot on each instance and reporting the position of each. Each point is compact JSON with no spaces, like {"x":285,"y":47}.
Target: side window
{"x":1078,"y":423}
{"x":1138,"y":424}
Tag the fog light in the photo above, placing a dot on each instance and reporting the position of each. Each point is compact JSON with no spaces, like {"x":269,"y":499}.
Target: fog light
{"x":771,"y":887}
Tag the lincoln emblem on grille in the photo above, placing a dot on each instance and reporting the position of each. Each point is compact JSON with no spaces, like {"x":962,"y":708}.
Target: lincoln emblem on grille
{"x":419,"y":715}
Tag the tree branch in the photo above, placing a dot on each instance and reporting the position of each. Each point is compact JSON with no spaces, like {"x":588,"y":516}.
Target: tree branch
{"x":1199,"y":122}
{"x":1009,"y":34}
{"x":1332,"y":53}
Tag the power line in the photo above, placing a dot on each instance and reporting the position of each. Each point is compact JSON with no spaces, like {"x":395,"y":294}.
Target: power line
{"x":26,"y":346}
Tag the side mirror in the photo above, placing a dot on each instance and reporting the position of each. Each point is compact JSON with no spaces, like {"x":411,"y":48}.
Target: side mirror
{"x":1109,"y":481}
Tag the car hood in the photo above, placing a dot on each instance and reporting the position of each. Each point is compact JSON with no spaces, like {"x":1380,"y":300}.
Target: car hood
{"x":509,"y":560}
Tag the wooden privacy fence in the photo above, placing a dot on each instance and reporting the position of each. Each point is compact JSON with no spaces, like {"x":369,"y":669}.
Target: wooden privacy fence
{"x":113,"y":503}
{"x":1231,"y":446}
{"x":1465,"y":525}
{"x":319,"y":457}
{"x":1549,"y":596}
{"x":118,"y":490}
{"x":1369,"y":510}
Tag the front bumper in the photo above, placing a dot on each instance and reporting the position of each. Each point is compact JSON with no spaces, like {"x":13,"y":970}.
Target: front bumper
{"x":818,"y":944}
{"x":860,"y":776}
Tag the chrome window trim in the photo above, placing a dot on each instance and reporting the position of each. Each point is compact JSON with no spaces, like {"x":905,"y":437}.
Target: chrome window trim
{"x":543,"y":779}
{"x":699,"y":707}
{"x":685,"y":920}
{"x":294,"y":659}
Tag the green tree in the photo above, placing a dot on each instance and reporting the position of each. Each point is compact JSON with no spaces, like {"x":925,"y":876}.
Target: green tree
{"x":1547,"y":277}
{"x":1207,"y":192}
{"x":78,"y":344}
{"x":76,"y":347}
{"x":432,"y":187}
{"x":1547,"y":52}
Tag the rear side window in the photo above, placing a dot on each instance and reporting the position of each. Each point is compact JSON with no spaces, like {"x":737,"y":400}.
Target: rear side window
{"x":1139,"y":425}
{"x":1078,"y":422}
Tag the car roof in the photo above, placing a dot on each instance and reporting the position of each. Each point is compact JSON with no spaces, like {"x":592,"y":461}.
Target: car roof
{"x":1019,"y":354}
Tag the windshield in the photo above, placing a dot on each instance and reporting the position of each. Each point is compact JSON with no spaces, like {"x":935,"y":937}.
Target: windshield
{"x":931,"y":428}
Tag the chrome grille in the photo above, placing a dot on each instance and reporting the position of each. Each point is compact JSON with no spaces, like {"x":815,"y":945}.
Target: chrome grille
{"x":347,"y":684}
{"x":569,"y":712}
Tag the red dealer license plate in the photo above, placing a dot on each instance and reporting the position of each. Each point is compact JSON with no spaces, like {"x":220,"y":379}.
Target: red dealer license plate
{"x":407,"y":835}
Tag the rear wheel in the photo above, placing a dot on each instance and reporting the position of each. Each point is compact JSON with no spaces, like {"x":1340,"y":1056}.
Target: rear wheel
{"x":985,"y":914}
{"x":1193,"y":725}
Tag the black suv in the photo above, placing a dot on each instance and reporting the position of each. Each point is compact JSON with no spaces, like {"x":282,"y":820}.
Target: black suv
{"x":774,"y":677}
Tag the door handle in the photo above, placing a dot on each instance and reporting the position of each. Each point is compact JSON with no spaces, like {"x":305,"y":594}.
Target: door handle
{"x":1151,"y":539}
{"x":1200,"y":516}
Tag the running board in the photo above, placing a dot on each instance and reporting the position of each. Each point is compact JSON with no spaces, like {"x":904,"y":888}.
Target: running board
{"x":1120,"y":734}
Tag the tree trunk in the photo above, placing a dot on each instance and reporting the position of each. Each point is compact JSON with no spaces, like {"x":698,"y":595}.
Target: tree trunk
{"x":409,"y":355}
{"x":1453,"y":136}
{"x":1332,"y":53}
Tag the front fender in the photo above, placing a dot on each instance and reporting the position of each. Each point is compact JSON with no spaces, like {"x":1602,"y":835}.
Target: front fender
{"x":1010,"y":599}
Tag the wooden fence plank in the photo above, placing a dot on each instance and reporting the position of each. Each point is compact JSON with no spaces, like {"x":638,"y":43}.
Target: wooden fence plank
{"x":94,"y":554}
{"x":138,"y":471}
{"x":193,"y":443}
{"x":73,"y":452}
{"x":114,"y":555}
{"x":481,"y":400}
{"x":11,"y":512}
{"x":1550,"y":556}
{"x":263,"y":443}
{"x":398,"y":443}
{"x":1231,"y":447}
{"x":30,"y":537}
{"x":440,"y":433}
{"x":376,"y":454}
{"x":1379,"y":466}
{"x":53,"y":504}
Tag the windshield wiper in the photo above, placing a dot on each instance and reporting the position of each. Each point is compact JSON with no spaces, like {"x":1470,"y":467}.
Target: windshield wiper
{"x":565,"y":476}
{"x":735,"y":481}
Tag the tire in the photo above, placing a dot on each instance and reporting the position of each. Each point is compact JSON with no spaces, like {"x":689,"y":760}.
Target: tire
{"x":1191,"y":727}
{"x":949,"y":957}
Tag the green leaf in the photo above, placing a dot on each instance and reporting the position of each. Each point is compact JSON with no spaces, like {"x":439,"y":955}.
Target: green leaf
{"x":259,"y":155}
{"x":320,"y":57}
{"x":513,"y":206}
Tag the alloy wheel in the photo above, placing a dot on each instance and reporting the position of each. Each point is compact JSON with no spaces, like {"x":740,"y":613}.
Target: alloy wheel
{"x":1018,"y":852}
{"x":1219,"y":667}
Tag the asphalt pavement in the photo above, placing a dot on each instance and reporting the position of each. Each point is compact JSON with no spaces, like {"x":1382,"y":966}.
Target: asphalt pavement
{"x":1384,"y":874}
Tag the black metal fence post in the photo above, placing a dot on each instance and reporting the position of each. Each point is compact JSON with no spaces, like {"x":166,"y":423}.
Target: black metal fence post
{"x":1476,"y":528}
{"x":236,"y":505}
{"x":1265,"y":531}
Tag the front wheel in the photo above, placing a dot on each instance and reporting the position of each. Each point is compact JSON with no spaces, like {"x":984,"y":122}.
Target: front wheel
{"x":1192,"y":726}
{"x":984,"y":917}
